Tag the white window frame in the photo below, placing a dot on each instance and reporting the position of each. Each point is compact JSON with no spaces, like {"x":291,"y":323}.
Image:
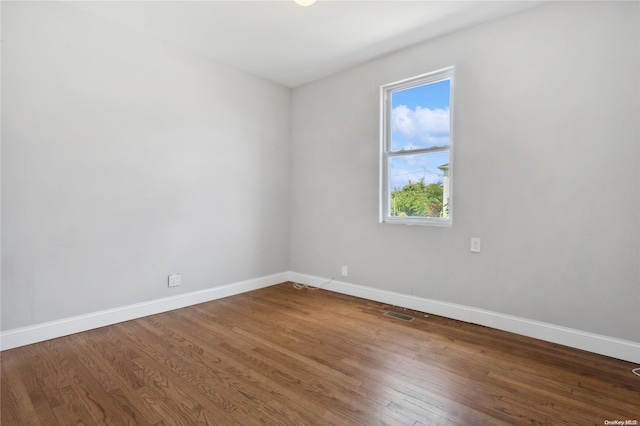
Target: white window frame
{"x":386,"y":154}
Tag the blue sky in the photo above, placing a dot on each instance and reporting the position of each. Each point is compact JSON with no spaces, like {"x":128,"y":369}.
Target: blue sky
{"x":434,"y":95}
{"x":419,"y":119}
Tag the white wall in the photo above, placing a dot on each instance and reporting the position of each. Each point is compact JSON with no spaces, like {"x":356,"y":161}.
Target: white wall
{"x":123,"y":161}
{"x":546,"y":159}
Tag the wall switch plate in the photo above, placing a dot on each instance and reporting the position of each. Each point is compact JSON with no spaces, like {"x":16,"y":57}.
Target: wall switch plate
{"x":175,"y":280}
{"x":476,"y":244}
{"x":345,"y":271}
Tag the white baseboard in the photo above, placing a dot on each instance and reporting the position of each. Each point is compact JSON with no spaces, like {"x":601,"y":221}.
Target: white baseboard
{"x":51,"y":330}
{"x":599,"y":344}
{"x":603,"y":345}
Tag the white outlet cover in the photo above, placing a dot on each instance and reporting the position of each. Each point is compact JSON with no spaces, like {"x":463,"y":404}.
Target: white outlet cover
{"x":175,"y":280}
{"x":345,"y":271}
{"x":476,"y":245}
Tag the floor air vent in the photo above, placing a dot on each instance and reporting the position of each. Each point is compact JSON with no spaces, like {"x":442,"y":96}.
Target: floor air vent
{"x":399,"y":316}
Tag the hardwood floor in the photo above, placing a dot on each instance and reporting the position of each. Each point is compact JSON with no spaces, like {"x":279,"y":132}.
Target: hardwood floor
{"x":282,"y":356}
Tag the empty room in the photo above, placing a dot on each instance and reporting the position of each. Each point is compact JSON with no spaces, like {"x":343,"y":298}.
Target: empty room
{"x":320,"y":212}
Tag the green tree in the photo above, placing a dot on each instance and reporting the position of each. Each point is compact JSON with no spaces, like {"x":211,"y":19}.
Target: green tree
{"x":417,"y":199}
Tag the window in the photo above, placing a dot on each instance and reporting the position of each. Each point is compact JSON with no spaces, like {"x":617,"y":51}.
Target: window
{"x":415,"y":158}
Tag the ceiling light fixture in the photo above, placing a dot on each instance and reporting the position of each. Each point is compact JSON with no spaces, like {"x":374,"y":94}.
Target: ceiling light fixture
{"x":305,"y":2}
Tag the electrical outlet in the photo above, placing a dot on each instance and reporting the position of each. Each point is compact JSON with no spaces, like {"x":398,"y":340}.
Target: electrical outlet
{"x":476,"y":244}
{"x":345,"y":271}
{"x":175,"y":280}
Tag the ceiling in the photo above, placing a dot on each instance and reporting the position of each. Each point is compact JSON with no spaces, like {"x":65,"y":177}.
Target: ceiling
{"x":290,"y":44}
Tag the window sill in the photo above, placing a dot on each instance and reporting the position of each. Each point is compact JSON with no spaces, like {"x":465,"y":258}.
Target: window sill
{"x":418,"y":221}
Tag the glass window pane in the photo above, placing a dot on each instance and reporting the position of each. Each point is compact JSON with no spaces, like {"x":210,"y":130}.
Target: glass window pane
{"x":419,"y":185}
{"x":420,"y":116}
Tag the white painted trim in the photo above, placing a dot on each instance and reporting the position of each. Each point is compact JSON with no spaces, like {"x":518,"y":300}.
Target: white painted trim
{"x":386,"y":153}
{"x":51,"y":330}
{"x":596,"y":343}
{"x":603,"y":345}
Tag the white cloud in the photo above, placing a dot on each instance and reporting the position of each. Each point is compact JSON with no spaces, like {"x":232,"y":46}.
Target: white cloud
{"x":421,"y":127}
{"x":415,"y":167}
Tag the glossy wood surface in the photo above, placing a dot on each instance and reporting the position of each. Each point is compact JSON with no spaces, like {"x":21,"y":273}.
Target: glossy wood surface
{"x":283,"y":356}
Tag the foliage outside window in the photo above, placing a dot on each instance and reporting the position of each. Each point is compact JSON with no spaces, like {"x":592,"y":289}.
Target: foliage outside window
{"x":416,"y":150}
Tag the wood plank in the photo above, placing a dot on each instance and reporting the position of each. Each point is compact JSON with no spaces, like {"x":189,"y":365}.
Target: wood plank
{"x":283,"y":356}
